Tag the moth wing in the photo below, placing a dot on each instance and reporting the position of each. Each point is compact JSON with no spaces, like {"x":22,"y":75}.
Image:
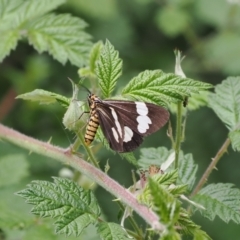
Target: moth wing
{"x":109,"y":128}
{"x":142,"y":118}
{"x":120,"y":136}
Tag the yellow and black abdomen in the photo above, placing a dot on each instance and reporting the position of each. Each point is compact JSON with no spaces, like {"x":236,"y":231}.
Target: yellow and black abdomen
{"x":91,"y":128}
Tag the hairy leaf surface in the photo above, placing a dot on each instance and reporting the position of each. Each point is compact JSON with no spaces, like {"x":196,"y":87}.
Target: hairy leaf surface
{"x":160,"y":88}
{"x":108,"y":69}
{"x":220,"y":200}
{"x":73,"y":207}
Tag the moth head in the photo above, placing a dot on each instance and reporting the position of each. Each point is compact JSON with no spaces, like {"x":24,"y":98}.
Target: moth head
{"x":90,"y":98}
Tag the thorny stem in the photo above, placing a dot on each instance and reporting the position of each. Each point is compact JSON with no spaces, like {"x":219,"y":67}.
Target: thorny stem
{"x":211,"y":166}
{"x":66,"y":157}
{"x":178,"y":138}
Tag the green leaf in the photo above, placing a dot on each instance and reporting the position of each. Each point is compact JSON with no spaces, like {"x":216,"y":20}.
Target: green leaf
{"x":13,"y":14}
{"x":73,"y":224}
{"x":111,"y":231}
{"x":71,"y":119}
{"x":235,"y":139}
{"x":13,"y":168}
{"x":94,"y":56}
{"x":198,"y":100}
{"x":178,"y":190}
{"x":153,"y":156}
{"x":17,"y":12}
{"x":129,"y":156}
{"x":73,"y":207}
{"x":201,"y":235}
{"x":225,"y":102}
{"x":165,"y":205}
{"x":108,"y":69}
{"x":169,"y":179}
{"x":44,"y":97}
{"x":194,"y":102}
{"x":8,"y":9}
{"x":188,"y":227}
{"x":62,"y":36}
{"x":187,"y":170}
{"x":163,"y":180}
{"x":166,"y":178}
{"x":220,"y":200}
{"x":160,"y":88}
{"x":8,"y":42}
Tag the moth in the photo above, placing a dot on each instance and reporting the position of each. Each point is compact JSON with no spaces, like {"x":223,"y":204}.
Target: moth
{"x":123,"y":123}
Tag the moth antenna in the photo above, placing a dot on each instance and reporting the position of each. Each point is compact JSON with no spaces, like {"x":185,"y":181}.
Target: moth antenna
{"x":81,"y":85}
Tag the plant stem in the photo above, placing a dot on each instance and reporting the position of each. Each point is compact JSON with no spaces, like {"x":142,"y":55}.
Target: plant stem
{"x":75,"y":146}
{"x":178,"y":137}
{"x":91,"y":156}
{"x":170,"y":134}
{"x":184,"y":126}
{"x":132,"y":221}
{"x":211,"y":166}
{"x":134,"y":235}
{"x":64,"y":156}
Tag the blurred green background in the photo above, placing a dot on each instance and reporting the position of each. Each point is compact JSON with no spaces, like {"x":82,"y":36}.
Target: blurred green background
{"x":145,"y":32}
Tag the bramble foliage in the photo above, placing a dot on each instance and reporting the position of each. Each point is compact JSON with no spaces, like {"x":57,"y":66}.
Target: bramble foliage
{"x":225,"y":102}
{"x":158,"y":87}
{"x":161,"y":193}
{"x":108,"y":69}
{"x":61,"y":35}
{"x":220,"y":200}
{"x":73,"y":209}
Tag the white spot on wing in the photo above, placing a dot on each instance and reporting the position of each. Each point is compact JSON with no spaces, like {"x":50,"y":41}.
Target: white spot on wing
{"x":128,"y":134}
{"x":119,"y":129}
{"x":143,"y":120}
{"x":115,"y":134}
{"x":141,"y":108}
{"x":143,"y":123}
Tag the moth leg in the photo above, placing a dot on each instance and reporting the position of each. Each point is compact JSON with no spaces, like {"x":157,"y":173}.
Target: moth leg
{"x":86,"y":122}
{"x":82,"y":114}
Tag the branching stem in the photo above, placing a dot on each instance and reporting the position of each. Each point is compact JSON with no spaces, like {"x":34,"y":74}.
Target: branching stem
{"x":66,"y":157}
{"x":211,"y":166}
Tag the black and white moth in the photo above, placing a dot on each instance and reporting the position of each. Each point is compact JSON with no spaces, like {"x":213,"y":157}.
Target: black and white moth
{"x":123,"y":123}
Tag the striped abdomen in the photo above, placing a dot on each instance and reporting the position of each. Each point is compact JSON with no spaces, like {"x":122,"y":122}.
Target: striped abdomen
{"x":91,"y":128}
